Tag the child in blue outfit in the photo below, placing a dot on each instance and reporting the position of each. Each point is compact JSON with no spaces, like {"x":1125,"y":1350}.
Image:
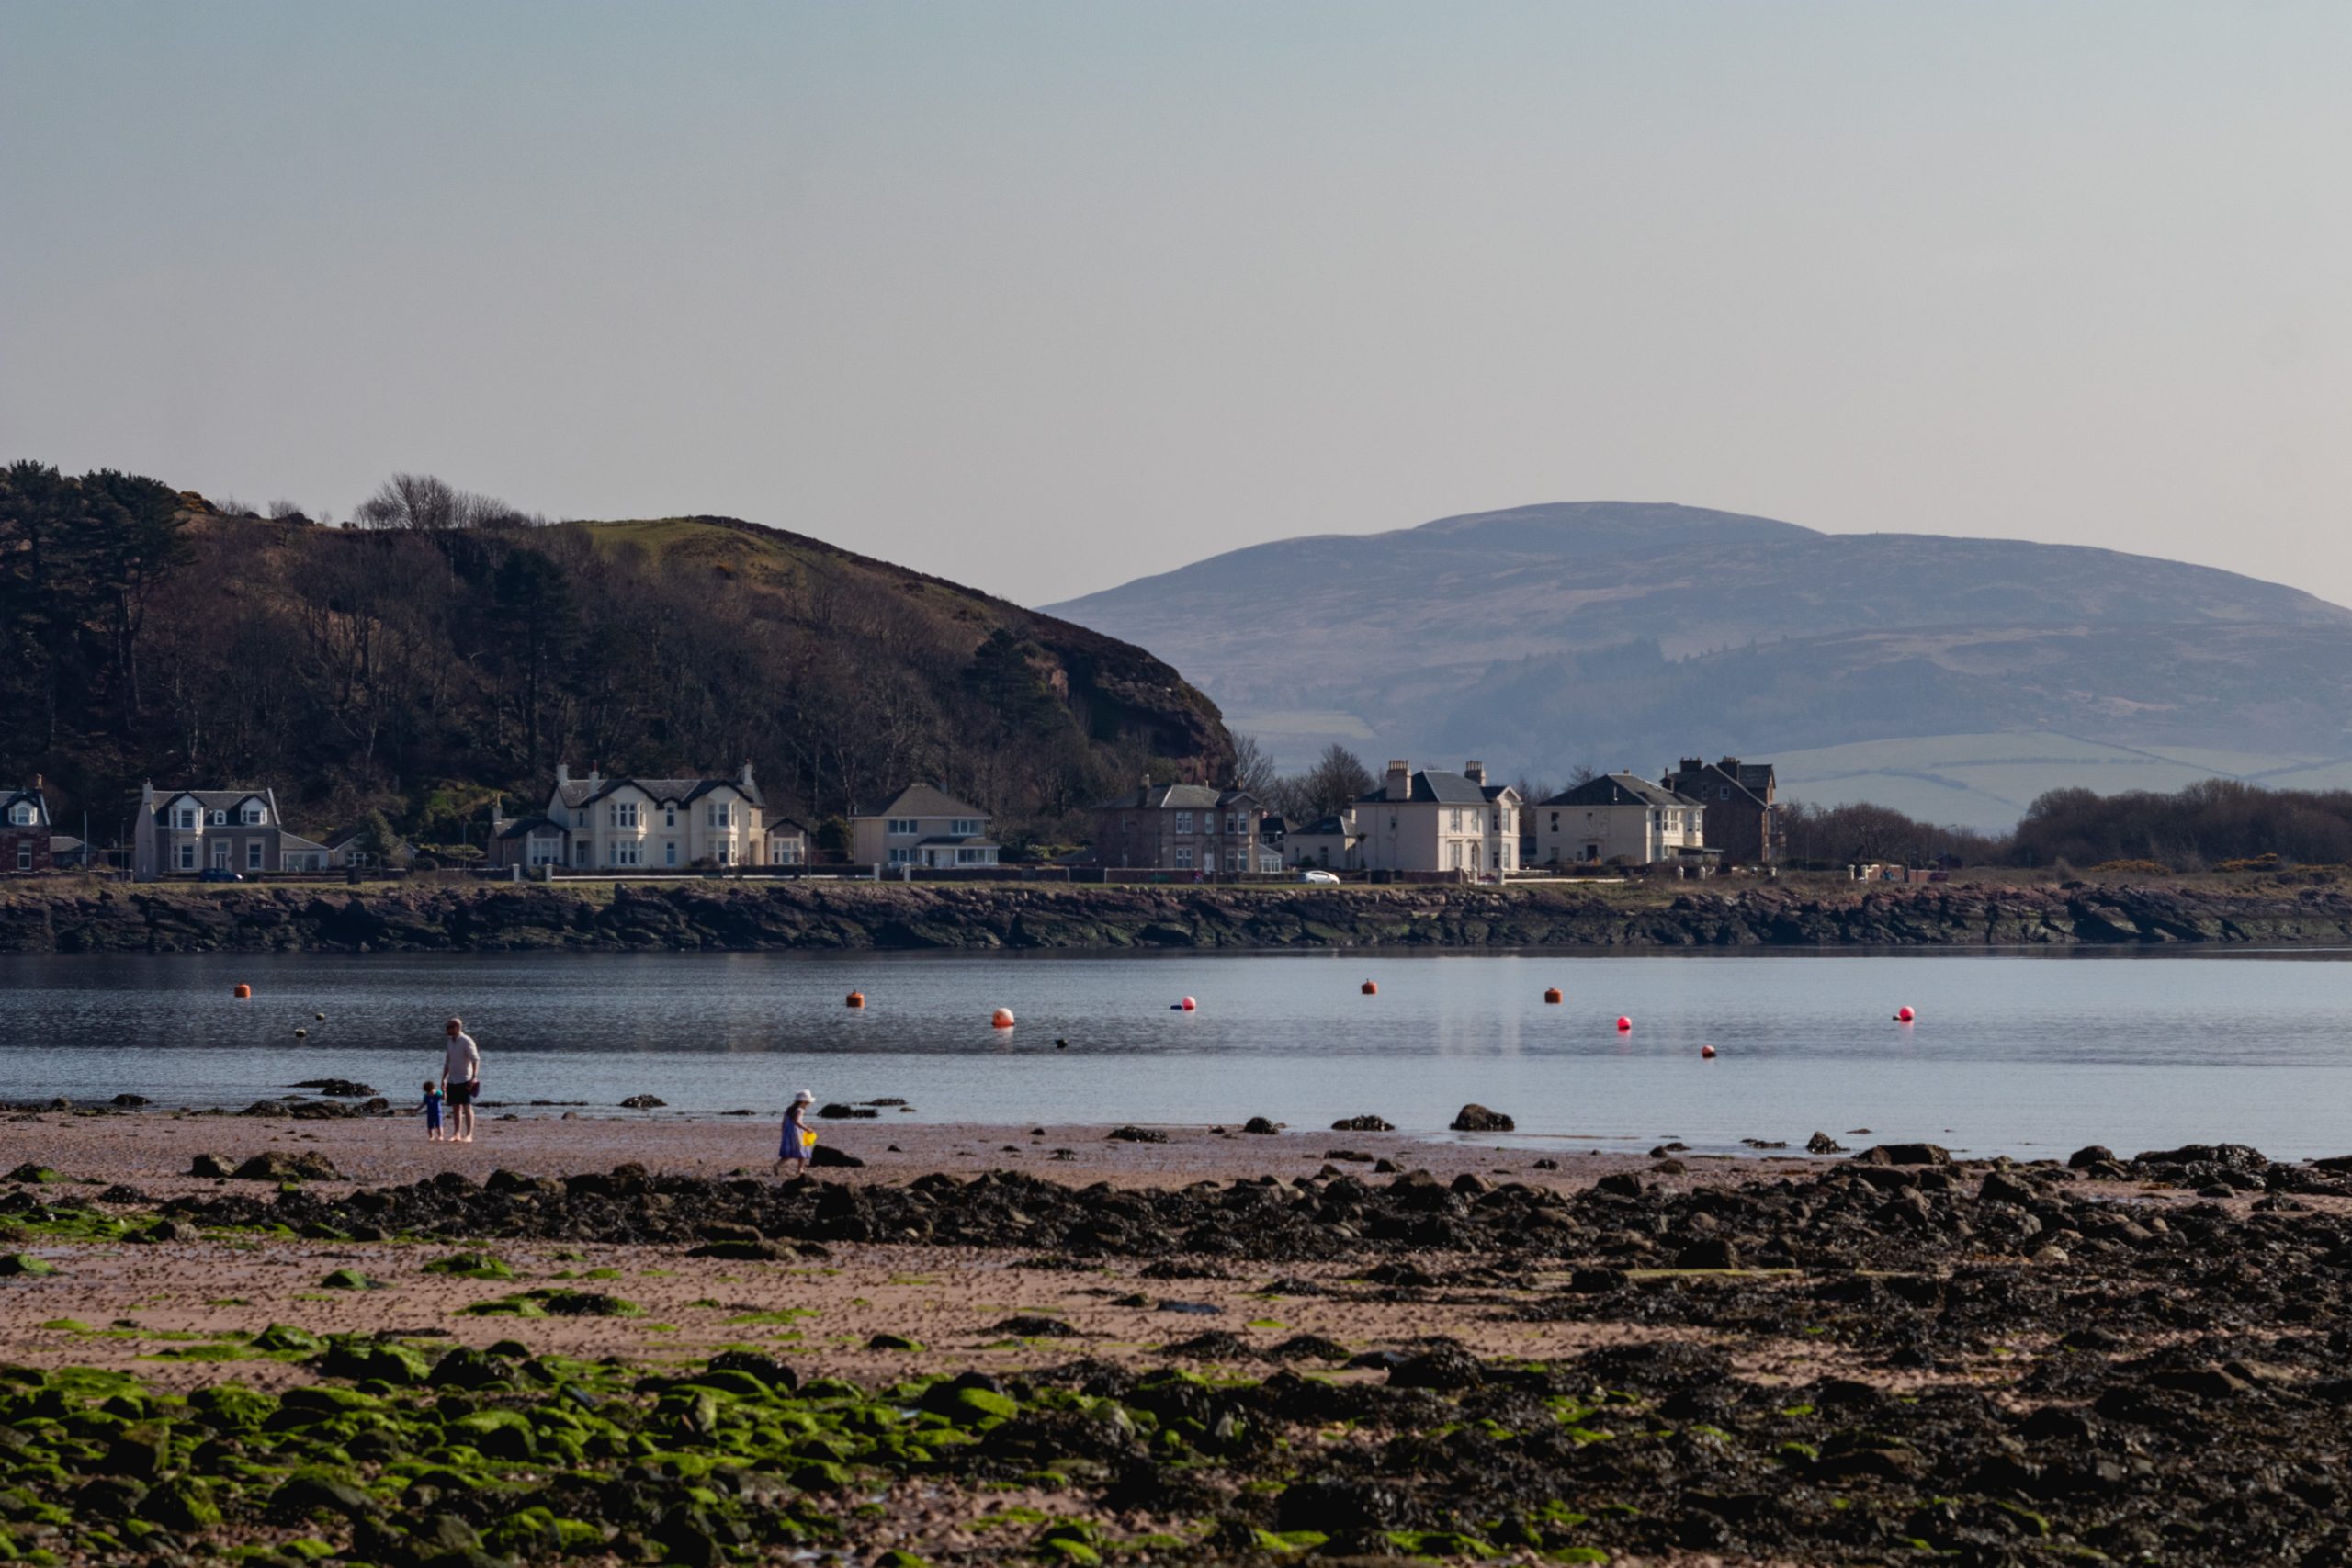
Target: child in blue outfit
{"x":799,"y":1139}
{"x":432,"y":1109}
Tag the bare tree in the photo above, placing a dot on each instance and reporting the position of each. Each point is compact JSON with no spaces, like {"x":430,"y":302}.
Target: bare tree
{"x":426,"y":505}
{"x":1253,"y":767}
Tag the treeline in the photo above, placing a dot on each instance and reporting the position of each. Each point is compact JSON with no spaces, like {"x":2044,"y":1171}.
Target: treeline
{"x":444,"y":649}
{"x":2208,"y":824}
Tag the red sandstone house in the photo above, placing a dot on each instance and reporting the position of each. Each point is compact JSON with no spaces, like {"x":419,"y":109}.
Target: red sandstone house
{"x":1743,"y":821}
{"x":24,"y":830}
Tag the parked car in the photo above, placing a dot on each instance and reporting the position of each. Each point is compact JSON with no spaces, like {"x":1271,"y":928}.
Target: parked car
{"x":1312,"y":875}
{"x":220,"y":873}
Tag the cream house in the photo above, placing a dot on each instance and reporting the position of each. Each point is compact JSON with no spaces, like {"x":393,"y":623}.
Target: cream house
{"x":190,"y":831}
{"x":1433,"y":820}
{"x":637,"y":825}
{"x":922,"y":826}
{"x":1619,"y":819}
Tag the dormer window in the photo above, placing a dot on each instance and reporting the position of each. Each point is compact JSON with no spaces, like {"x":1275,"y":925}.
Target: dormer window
{"x":184,"y":817}
{"x":21,"y":814}
{"x":253,"y":814}
{"x":219,"y":820}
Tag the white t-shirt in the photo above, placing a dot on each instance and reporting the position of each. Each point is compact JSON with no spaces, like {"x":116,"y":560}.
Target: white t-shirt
{"x":462,"y":1062}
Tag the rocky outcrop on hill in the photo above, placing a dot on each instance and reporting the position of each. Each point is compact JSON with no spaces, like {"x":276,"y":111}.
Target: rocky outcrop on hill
{"x":753,"y":917}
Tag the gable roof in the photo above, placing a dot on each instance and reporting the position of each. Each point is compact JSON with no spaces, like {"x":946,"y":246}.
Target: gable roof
{"x":1619,"y":789}
{"x":343,"y":836}
{"x":577,"y":793}
{"x":786,"y":825}
{"x":1435,"y":786}
{"x":1178,"y":797}
{"x":287,"y":840}
{"x":212,"y":799}
{"x":1334,"y":827}
{"x":528,"y":825}
{"x":9,"y":797}
{"x":924,"y":800}
{"x":1753,"y":778}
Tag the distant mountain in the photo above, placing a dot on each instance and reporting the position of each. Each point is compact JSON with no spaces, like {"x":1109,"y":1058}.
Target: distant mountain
{"x":1626,"y":634}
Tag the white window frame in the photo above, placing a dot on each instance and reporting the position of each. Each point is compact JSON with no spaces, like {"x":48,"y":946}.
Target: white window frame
{"x":253,"y":854}
{"x":1183,"y":857}
{"x":622,"y":813}
{"x":188,"y":857}
{"x":668,"y":817}
{"x":21,"y":814}
{"x":24,"y":854}
{"x":670,"y":851}
{"x":1183,"y":821}
{"x":721,"y":815}
{"x":898,"y":855}
{"x":218,"y":817}
{"x":220,"y":854}
{"x":726,"y":855}
{"x":253,"y":813}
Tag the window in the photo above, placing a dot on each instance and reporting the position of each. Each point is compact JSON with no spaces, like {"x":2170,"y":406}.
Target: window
{"x":966,"y":826}
{"x":971,"y":857}
{"x":621,"y":854}
{"x":1183,"y":857}
{"x":219,"y":820}
{"x":901,"y":828}
{"x":253,"y":854}
{"x":254,"y":815}
{"x":722,"y":815}
{"x":622,"y":813}
{"x":579,"y":818}
{"x":1555,"y":821}
{"x":899,"y":856}
{"x":668,"y":817}
{"x":669,"y":853}
{"x":580,"y":850}
{"x":188,"y":857}
{"x":24,"y":854}
{"x":1233,"y":860}
{"x":21,"y":814}
{"x":1183,"y":821}
{"x":1726,"y":792}
{"x":185,"y":817}
{"x":1453,"y":822}
{"x":726,"y":852}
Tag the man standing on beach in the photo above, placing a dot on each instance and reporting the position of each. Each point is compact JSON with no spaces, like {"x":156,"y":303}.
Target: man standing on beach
{"x":461,"y":1077}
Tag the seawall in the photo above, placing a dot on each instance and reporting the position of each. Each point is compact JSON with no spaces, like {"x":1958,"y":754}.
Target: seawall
{"x":81,"y":917}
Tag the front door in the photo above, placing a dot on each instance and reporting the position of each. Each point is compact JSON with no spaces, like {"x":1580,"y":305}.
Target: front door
{"x":220,"y":854}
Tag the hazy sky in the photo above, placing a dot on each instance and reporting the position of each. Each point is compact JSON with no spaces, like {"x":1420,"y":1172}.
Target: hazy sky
{"x":1044,"y":297}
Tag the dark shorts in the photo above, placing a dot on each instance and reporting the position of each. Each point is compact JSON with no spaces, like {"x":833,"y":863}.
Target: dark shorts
{"x":462,"y":1093}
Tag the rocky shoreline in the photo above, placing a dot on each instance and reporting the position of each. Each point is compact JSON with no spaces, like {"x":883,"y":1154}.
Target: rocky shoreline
{"x":1890,"y":1358}
{"x":69,"y":918}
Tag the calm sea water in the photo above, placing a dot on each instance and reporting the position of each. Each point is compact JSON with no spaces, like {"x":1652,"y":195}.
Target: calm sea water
{"x":2024,"y":1055}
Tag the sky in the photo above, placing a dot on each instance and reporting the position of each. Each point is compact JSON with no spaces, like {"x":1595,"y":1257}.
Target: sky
{"x":1044,"y":297}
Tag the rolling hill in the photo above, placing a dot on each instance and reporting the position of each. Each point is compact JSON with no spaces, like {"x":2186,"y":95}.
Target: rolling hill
{"x":1626,"y":634}
{"x":419,"y":670}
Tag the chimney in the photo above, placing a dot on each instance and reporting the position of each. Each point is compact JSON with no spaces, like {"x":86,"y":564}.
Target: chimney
{"x":562,"y":773}
{"x":1693,"y":764}
{"x":36,"y":781}
{"x":147,"y":794}
{"x":747,"y":775}
{"x":1400,"y":779}
{"x":1476,"y":771}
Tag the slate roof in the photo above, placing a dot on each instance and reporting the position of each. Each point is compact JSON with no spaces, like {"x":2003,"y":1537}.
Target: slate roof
{"x":1434,"y":787}
{"x":788,"y":825}
{"x":343,"y":836}
{"x":1329,"y":826}
{"x":287,"y":840}
{"x":1755,"y":778}
{"x":1178,"y":797}
{"x":970,"y":841}
{"x":209,"y":799}
{"x":1619,"y":789}
{"x":9,"y":797}
{"x":523,"y":826}
{"x":924,"y":800}
{"x":577,"y":793}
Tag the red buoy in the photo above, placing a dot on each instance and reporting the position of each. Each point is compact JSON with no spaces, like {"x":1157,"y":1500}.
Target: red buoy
{"x":1372,"y":987}
{"x":1552,"y":994}
{"x":1707,"y":1053}
{"x":857,"y":999}
{"x":1187,"y":1005}
{"x":1905,"y":1015}
{"x":243,"y":993}
{"x":1002,"y":1019}
{"x":1625,"y":1025}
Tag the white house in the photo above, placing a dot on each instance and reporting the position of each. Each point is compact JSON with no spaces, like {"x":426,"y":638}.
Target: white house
{"x":922,"y":826}
{"x":636,"y":824}
{"x":1330,"y":844}
{"x":1433,"y":820}
{"x":1621,"y":819}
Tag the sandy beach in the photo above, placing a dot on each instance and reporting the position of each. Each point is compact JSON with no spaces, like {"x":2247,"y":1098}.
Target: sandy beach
{"x":1050,"y":1343}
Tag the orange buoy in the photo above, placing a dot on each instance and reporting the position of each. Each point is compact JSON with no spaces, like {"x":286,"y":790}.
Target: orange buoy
{"x":1552,"y":995}
{"x":1002,"y":1020}
{"x":1707,"y":1053}
{"x":243,"y":992}
{"x":1903,"y":1015}
{"x":1187,"y":1005}
{"x":857,"y":999}
{"x":1372,"y":987}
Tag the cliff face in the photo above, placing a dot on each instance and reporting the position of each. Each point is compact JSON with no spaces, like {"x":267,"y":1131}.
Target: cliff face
{"x":484,"y":918}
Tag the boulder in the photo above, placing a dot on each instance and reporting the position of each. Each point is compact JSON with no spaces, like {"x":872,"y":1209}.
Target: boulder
{"x":1904,"y":1154}
{"x":1363,"y":1124}
{"x":1479,"y":1119}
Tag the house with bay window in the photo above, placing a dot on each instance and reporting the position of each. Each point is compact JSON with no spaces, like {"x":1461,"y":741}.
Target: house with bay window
{"x":922,"y":826}
{"x":24,"y":829}
{"x":630,"y":824}
{"x":189,"y":831}
{"x":1433,"y":820}
{"x":1182,"y":827}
